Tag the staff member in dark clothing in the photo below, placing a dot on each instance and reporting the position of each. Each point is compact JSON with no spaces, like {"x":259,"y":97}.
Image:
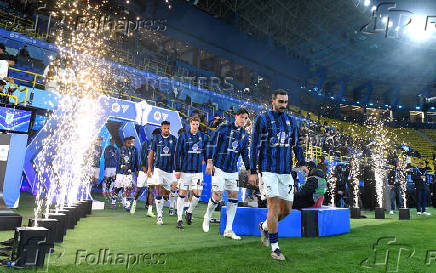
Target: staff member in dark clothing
{"x":369,"y":191}
{"x":341,"y":184}
{"x":394,"y":179}
{"x":310,"y":191}
{"x":322,"y":165}
{"x":421,"y":188}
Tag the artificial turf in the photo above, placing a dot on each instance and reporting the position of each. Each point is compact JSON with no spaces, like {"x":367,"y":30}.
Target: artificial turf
{"x":192,"y":250}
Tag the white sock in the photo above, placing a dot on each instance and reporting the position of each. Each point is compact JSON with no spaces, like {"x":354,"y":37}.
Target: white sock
{"x":194,"y":202}
{"x":158,"y":206}
{"x":180,"y":203}
{"x":231,"y":211}
{"x":124,"y":201}
{"x":103,"y":186}
{"x":172,"y":199}
{"x":134,"y":202}
{"x":210,"y":208}
{"x":274,"y":246}
{"x":265,"y":225}
{"x":186,"y":204}
{"x":150,"y":209}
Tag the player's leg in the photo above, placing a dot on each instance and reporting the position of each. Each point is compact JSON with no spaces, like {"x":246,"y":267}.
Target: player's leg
{"x":283,"y":208}
{"x":118,"y":187}
{"x":164,"y":193}
{"x":151,"y":182}
{"x":187,"y":201}
{"x":197,"y":188}
{"x":231,"y":186}
{"x":217,"y":193}
{"x":141,"y":182}
{"x":159,"y":178}
{"x":173,"y":197}
{"x":104,"y":185}
{"x":126,"y":190}
{"x":184,"y":186}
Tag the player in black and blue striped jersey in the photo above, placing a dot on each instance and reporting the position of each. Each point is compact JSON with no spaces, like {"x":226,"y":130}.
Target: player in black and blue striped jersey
{"x":127,"y":170}
{"x":111,"y":159}
{"x":275,"y":135}
{"x":162,"y":158}
{"x":189,"y":158}
{"x":228,"y":143}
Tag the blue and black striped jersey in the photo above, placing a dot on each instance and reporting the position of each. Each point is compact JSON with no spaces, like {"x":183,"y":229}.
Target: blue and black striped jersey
{"x":226,"y":145}
{"x":190,"y":152}
{"x":145,"y":150}
{"x":164,"y":148}
{"x":129,"y":158}
{"x":111,"y":157}
{"x":274,"y":135}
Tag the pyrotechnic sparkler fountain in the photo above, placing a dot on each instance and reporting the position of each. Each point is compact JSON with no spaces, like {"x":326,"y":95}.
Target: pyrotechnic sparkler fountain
{"x":355,"y":168}
{"x":63,"y":164}
{"x":379,"y":149}
{"x":404,"y":212}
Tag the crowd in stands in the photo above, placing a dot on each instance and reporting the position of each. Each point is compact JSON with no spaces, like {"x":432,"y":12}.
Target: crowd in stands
{"x":325,"y":136}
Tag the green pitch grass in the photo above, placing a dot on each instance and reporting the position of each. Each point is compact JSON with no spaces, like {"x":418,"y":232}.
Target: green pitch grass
{"x":192,"y":250}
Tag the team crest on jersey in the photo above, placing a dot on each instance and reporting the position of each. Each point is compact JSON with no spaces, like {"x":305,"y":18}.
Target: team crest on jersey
{"x":195,"y":147}
{"x":235,"y":144}
{"x":126,"y":159}
{"x":166,"y":149}
{"x":282,"y":137}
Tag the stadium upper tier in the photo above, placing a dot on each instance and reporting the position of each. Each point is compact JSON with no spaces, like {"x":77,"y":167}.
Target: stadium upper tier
{"x":29,"y":70}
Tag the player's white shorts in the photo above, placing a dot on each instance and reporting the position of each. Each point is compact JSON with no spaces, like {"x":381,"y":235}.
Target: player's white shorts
{"x":94,"y":172}
{"x":191,"y":181}
{"x":281,"y":185}
{"x":224,"y":181}
{"x":124,"y":180}
{"x":110,"y":172}
{"x":163,"y":178}
{"x":141,"y":181}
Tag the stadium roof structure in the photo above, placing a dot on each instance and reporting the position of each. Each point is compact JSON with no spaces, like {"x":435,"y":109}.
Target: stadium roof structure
{"x":330,"y":34}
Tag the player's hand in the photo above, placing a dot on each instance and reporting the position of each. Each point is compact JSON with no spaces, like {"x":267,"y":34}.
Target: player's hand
{"x":305,"y":171}
{"x":209,"y":168}
{"x":149,"y":172}
{"x":252,"y":179}
{"x":177,"y":174}
{"x":340,"y":192}
{"x":423,"y":177}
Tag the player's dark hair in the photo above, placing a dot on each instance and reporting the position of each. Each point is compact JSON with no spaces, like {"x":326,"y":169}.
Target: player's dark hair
{"x":181,"y":131}
{"x":191,"y":119}
{"x":242,"y":111}
{"x":165,"y":122}
{"x":278,"y":92}
{"x":156,"y":132}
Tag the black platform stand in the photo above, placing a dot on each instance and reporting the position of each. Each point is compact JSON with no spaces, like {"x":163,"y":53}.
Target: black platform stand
{"x":9,"y":220}
{"x":309,"y":223}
